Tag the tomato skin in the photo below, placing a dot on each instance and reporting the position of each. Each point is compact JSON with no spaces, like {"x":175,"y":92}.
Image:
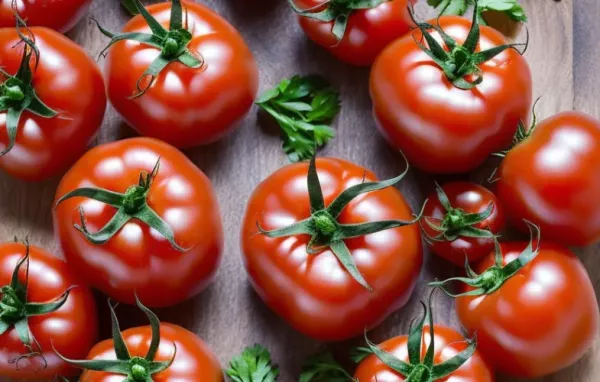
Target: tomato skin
{"x":47,"y":146}
{"x":368,"y":33}
{"x":60,"y":15}
{"x":439,"y":127}
{"x":314,"y":293}
{"x":72,"y":329}
{"x":194,"y":361}
{"x":137,"y":259}
{"x":553,"y":179}
{"x":541,"y":320}
{"x":447,"y":343}
{"x":471,"y":198}
{"x":185,"y":107}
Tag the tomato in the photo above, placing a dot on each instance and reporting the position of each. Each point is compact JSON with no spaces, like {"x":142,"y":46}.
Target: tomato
{"x":448,"y":343}
{"x":165,"y":239}
{"x":70,"y":86}
{"x":304,"y":279}
{"x":368,"y":31}
{"x":541,"y":320}
{"x":60,"y":15}
{"x":437,"y":113}
{"x":466,"y":225}
{"x":184,"y":106}
{"x":552,"y":179}
{"x":70,"y":326}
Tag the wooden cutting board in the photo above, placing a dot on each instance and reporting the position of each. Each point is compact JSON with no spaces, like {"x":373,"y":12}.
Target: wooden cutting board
{"x":229,"y":316}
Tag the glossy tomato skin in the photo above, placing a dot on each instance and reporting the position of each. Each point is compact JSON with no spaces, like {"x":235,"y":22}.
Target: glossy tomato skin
{"x":193,"y":362}
{"x":439,"y":127}
{"x":447,"y":343}
{"x":185,"y":107}
{"x":541,"y":320}
{"x":553,"y":179}
{"x":60,"y":15}
{"x":368,"y":33}
{"x":68,"y":81}
{"x":314,"y":293}
{"x":472,"y":199}
{"x":138,"y":259}
{"x":72,"y":329}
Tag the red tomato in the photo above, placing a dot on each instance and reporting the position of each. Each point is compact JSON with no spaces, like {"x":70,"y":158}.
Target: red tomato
{"x":68,"y":81}
{"x":467,"y":201}
{"x":541,"y":320}
{"x":315,"y":293}
{"x":72,"y":329}
{"x":184,"y":106}
{"x":194,"y":361}
{"x":60,"y":15}
{"x":447,"y":342}
{"x":367,"y":33}
{"x":440,"y":127}
{"x":553,"y":179}
{"x":140,"y":258}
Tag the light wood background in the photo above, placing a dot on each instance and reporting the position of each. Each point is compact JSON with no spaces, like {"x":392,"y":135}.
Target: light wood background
{"x":565,"y":60}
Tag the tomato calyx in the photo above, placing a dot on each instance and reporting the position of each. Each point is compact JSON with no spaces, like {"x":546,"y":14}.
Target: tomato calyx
{"x":17,"y":93}
{"x":460,"y":63}
{"x":172,"y":43}
{"x":457,"y":223}
{"x":523,"y":133}
{"x":136,"y":369}
{"x":338,"y":11}
{"x":133,"y":204}
{"x":494,"y":277}
{"x":15,"y":309}
{"x":326,"y":231}
{"x":417,"y":369}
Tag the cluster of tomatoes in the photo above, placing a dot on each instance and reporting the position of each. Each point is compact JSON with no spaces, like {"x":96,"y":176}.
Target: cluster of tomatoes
{"x":328,"y":246}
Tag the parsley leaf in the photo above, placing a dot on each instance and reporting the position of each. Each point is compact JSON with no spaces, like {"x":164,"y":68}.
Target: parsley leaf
{"x":254,"y":365}
{"x":304,"y":107}
{"x":511,"y":8}
{"x":324,"y":368}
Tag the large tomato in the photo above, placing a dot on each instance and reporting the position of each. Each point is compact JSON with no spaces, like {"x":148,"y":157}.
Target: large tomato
{"x":183,"y":104}
{"x":447,"y":344}
{"x":368,"y":31}
{"x":320,"y":285}
{"x":165,"y":236}
{"x":60,"y":15}
{"x":460,"y":221}
{"x":62,"y":96}
{"x":436,"y":111}
{"x":537,"y":321}
{"x":552,"y":178}
{"x":157,"y":352}
{"x":68,"y":320}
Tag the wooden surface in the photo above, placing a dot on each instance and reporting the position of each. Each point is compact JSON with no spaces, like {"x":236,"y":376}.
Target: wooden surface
{"x":229,"y":316}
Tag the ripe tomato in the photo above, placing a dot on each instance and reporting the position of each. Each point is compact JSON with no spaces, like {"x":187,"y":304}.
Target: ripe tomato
{"x":60,"y":15}
{"x":465,"y":223}
{"x":539,"y":321}
{"x":73,"y":90}
{"x":368,"y":31}
{"x":157,"y":352}
{"x":182,"y":105}
{"x":552,"y":179}
{"x":316,"y":284}
{"x":70,"y":325}
{"x":442,"y":120}
{"x":447,"y":344}
{"x":165,"y":264}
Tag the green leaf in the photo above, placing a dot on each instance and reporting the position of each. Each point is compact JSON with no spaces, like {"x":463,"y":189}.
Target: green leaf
{"x":449,"y":7}
{"x":511,"y":8}
{"x":253,"y":365}
{"x":304,"y":107}
{"x":323,"y":368}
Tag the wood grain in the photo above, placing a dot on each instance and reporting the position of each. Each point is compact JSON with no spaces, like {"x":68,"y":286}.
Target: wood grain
{"x":228,"y":315}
